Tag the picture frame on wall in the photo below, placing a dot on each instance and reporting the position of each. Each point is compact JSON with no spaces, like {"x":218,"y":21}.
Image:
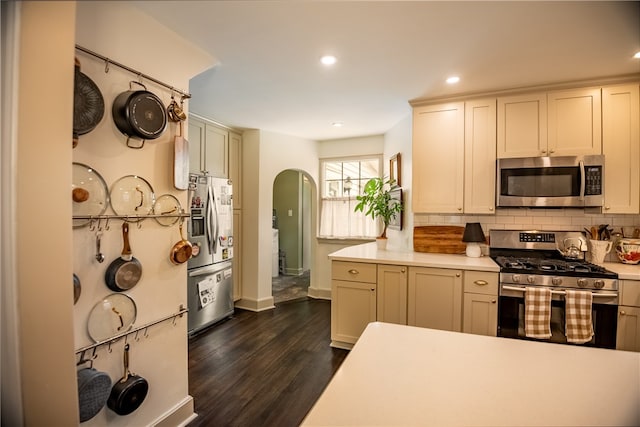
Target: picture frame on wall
{"x":395,"y":171}
{"x":396,"y":196}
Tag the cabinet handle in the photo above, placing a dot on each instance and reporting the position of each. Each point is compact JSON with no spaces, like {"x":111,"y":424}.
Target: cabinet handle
{"x":402,"y":271}
{"x":481,"y":282}
{"x":373,"y":289}
{"x":543,"y":152}
{"x":606,"y":208}
{"x":493,"y":301}
{"x":353,"y":271}
{"x":622,"y":313}
{"x":552,"y":151}
{"x":457,"y":274}
{"x":490,"y":209}
{"x":459,"y":209}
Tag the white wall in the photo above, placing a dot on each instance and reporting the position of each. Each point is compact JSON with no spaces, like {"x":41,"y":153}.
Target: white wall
{"x":265,"y":155}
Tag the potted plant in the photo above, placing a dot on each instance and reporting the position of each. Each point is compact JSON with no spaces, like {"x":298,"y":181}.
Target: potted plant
{"x":376,"y":201}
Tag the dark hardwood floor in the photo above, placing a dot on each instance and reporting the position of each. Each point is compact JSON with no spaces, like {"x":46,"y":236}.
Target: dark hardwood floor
{"x":263,"y":369}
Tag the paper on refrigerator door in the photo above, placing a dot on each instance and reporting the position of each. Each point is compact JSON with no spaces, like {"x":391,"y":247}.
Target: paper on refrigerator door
{"x":206,"y":291}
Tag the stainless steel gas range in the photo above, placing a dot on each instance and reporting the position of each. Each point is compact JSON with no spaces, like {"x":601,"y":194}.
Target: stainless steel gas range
{"x":553,"y":260}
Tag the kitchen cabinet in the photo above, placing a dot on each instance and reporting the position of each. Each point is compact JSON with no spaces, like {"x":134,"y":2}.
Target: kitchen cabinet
{"x":480,"y":305}
{"x":628,"y":334}
{"x":559,"y":123}
{"x":522,"y":125}
{"x":438,"y":157}
{"x":392,"y":294}
{"x":208,"y":148}
{"x":237,"y":254}
{"x":435,"y":298}
{"x":574,"y":122}
{"x":235,"y":167}
{"x":621,"y":148}
{"x":480,"y":156}
{"x":353,"y":306}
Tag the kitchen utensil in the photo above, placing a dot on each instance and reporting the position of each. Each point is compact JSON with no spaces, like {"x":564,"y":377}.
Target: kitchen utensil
{"x":129,"y":392}
{"x":180,"y":161}
{"x":175,"y":111}
{"x":124,"y":272}
{"x":598,"y":250}
{"x":132,"y":195}
{"x":167,"y":204}
{"x":594,"y":233}
{"x":181,"y":251}
{"x":628,"y":250}
{"x":77,"y":288}
{"x":111,"y":316}
{"x":88,"y":104}
{"x":87,"y":181}
{"x":139,"y":114}
{"x":571,"y":248}
{"x":99,"y":255}
{"x":93,"y":391}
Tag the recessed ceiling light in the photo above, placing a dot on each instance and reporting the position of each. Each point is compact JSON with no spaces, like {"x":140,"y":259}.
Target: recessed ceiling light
{"x":453,"y":79}
{"x":337,"y":124}
{"x":637,"y":55}
{"x":328,"y":60}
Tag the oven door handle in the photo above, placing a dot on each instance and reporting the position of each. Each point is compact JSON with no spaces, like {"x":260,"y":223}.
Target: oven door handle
{"x":594,"y":294}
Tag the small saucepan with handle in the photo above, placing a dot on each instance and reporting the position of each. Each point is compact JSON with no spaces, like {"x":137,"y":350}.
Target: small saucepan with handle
{"x":124,"y":272}
{"x":128,"y":393}
{"x":181,"y":251}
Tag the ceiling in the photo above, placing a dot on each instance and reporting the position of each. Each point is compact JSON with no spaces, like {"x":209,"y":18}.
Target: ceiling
{"x":269,"y":76}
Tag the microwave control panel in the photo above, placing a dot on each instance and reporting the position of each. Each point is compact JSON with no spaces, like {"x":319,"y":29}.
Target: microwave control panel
{"x":593,"y":180}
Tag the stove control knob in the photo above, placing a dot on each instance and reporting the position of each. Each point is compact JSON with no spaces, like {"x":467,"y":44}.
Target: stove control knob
{"x":582,"y":282}
{"x":556,"y":281}
{"x":599,"y":284}
{"x":531,"y":279}
{"x":516,"y":278}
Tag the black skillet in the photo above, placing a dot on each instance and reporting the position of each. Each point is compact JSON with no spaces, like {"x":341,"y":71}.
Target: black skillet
{"x":128,"y":393}
{"x":88,"y":104}
{"x":123,"y":273}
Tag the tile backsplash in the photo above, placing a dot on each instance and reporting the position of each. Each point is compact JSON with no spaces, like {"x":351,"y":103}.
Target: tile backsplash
{"x":534,"y":219}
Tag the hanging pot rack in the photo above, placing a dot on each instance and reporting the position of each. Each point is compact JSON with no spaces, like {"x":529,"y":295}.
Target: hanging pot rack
{"x":108,"y":61}
{"x":181,"y":311}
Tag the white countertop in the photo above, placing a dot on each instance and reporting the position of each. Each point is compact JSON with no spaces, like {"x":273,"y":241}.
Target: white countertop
{"x":407,"y":376}
{"x":368,"y":252}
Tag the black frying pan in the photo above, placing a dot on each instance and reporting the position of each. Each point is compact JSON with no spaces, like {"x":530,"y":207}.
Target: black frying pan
{"x":128,"y":393}
{"x":123,"y":273}
{"x":88,"y":104}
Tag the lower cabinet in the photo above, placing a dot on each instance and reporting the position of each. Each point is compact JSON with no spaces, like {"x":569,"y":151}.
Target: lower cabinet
{"x":353,"y":305}
{"x":480,"y":313}
{"x":435,"y":298}
{"x":628,"y":335}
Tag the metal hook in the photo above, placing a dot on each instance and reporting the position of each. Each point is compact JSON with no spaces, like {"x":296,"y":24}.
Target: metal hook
{"x":81,"y":360}
{"x":139,"y":223}
{"x":140,"y":78}
{"x":92,"y":225}
{"x":99,"y":224}
{"x":94,"y":356}
{"x":106,"y":65}
{"x":109,"y":349}
{"x":146,"y":334}
{"x":136,"y":338}
{"x":106,"y":225}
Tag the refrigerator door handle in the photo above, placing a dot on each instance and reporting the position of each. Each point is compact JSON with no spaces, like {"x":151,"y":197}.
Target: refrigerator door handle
{"x":211,"y":239}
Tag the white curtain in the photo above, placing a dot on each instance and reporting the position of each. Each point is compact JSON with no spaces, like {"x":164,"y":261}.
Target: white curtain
{"x":337,"y":219}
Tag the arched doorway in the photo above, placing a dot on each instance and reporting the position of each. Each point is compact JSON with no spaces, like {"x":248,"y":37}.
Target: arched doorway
{"x":292,"y":233}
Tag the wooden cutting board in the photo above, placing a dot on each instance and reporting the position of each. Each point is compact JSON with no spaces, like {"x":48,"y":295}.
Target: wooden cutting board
{"x":442,"y":239}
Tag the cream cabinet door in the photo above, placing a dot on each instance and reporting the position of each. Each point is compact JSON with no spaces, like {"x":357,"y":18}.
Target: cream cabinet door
{"x":196,"y":139}
{"x":435,"y":298}
{"x":392,"y":294}
{"x":237,"y":255}
{"x":574,"y":122}
{"x":628,"y":336}
{"x":480,"y":314}
{"x":480,"y":156}
{"x":438,"y":158}
{"x":353,"y":307}
{"x":216,"y":151}
{"x":235,"y":167}
{"x":522,"y":126}
{"x":621,"y":149}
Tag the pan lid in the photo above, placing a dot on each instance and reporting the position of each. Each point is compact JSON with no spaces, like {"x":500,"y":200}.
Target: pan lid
{"x":167,"y":204}
{"x":132,"y":195}
{"x":111,"y":316}
{"x":89,"y":193}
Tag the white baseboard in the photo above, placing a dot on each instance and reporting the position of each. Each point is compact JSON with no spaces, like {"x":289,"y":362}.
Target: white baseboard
{"x":319,"y":293}
{"x":180,"y":415}
{"x":255,"y":305}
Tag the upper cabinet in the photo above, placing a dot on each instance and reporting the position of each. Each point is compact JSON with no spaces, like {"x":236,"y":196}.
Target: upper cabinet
{"x":560,"y":123}
{"x":438,"y":158}
{"x":235,"y":167}
{"x":621,"y":148}
{"x":454,"y":155}
{"x":208,"y":148}
{"x":522,"y":126}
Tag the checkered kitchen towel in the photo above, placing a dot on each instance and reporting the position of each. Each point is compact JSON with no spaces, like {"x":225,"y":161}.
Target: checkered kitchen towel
{"x":537,"y":313}
{"x":579,"y":325}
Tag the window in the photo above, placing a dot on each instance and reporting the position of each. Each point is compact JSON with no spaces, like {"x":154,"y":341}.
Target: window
{"x":342,"y":180}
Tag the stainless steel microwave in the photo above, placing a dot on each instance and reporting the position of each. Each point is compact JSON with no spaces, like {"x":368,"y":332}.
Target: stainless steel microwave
{"x":541,"y":182}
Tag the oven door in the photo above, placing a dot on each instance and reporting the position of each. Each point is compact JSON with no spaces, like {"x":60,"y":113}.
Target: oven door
{"x":511,"y":321}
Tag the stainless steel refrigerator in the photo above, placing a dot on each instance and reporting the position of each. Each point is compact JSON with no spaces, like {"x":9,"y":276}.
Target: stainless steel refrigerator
{"x":210,"y":230}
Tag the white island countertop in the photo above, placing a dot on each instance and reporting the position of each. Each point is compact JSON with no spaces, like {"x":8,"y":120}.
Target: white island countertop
{"x":368,"y":252}
{"x":407,"y":376}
